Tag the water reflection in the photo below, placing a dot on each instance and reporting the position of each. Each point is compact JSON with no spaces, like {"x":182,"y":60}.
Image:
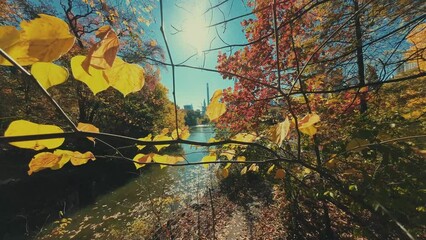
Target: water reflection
{"x":151,"y":197}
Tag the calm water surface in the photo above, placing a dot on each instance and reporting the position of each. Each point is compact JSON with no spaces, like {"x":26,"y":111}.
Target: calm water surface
{"x":151,"y":197}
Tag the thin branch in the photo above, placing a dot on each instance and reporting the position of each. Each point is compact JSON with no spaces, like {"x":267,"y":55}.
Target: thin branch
{"x":325,"y":42}
{"x":172,"y":65}
{"x":375,"y":144}
{"x":82,"y":134}
{"x":44,"y":91}
{"x":274,"y":160}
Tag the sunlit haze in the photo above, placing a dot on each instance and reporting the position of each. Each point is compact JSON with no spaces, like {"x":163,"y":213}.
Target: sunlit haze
{"x":189,"y":37}
{"x":194,"y":29}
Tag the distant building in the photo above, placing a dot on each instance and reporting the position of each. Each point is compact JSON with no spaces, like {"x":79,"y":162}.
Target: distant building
{"x":203,"y":108}
{"x":208,"y":94}
{"x":188,"y":107}
{"x":415,"y":56}
{"x":407,"y":66}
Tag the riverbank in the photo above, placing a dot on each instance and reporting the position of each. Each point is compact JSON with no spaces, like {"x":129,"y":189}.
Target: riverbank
{"x":217,"y":216}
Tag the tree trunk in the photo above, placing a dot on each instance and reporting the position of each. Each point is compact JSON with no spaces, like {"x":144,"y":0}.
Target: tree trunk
{"x":360,"y":55}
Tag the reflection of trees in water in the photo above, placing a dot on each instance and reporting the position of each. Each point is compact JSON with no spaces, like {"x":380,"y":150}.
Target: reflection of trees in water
{"x":146,"y":201}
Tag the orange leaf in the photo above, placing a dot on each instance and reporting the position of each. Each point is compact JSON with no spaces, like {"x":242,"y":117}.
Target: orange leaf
{"x":142,"y":158}
{"x":225,"y":173}
{"x":103,"y":53}
{"x":279,"y":174}
{"x":42,"y":161}
{"x":86,"y":127}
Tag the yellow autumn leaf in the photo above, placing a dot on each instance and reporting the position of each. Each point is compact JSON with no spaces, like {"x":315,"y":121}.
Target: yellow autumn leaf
{"x":81,"y":158}
{"x":167,"y":159}
{"x":175,"y":159}
{"x":245,"y":137}
{"x":213,"y":140}
{"x":279,"y":132}
{"x":254,"y":168}
{"x":241,"y":158}
{"x":279,"y":174}
{"x":64,"y":159}
{"x":417,"y":39}
{"x":174,"y":134}
{"x":22,"y":128}
{"x":141,"y":159}
{"x":8,"y":37}
{"x":49,"y":74}
{"x":87,"y":127}
{"x":331,"y":164}
{"x":147,"y":138}
{"x":164,"y":131}
{"x":306,"y":171}
{"x":160,"y":159}
{"x":102,"y":54}
{"x":183,"y":133}
{"x":209,"y":158}
{"x":412,"y":115}
{"x":216,"y":108}
{"x":228,"y":165}
{"x":94,"y":79}
{"x":125,"y":77}
{"x":306,"y":124}
{"x":11,"y":43}
{"x":42,"y":161}
{"x":161,"y":138}
{"x":270,"y":169}
{"x":243,"y":171}
{"x":76,"y":158}
{"x":48,"y":37}
{"x":229,"y":154}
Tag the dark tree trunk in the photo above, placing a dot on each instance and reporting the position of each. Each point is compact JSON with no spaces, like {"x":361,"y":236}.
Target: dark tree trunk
{"x":360,"y":55}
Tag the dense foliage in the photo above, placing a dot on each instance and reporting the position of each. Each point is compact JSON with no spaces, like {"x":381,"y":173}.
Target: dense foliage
{"x":327,"y":106}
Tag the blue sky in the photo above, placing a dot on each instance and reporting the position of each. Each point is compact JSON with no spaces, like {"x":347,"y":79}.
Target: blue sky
{"x":182,"y":15}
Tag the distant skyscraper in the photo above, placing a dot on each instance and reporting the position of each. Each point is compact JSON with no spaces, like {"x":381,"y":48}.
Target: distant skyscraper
{"x":203,"y":108}
{"x":208,"y":94}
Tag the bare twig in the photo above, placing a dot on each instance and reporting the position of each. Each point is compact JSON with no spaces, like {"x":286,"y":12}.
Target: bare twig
{"x":45,"y":92}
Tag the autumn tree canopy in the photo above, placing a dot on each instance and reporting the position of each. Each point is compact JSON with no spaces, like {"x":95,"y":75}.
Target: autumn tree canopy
{"x":327,"y":103}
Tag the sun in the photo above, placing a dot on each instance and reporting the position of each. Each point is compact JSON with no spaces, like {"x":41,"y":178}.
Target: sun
{"x":195,"y":31}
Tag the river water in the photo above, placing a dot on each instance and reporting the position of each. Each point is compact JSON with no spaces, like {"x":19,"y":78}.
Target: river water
{"x":141,"y":204}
